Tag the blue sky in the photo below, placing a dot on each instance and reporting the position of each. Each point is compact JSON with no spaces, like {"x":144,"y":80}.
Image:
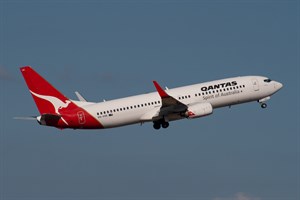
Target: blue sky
{"x":111,"y":49}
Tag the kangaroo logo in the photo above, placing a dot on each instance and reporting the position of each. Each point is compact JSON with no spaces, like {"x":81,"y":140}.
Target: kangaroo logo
{"x":57,"y":103}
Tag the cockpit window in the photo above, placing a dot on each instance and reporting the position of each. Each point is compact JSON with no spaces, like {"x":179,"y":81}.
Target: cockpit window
{"x":267,"y":80}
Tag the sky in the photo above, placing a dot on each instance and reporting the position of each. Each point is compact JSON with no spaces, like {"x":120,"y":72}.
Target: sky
{"x":112,"y":49}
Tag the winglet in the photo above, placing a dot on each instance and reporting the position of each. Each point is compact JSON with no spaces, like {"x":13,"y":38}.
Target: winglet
{"x":160,"y":91}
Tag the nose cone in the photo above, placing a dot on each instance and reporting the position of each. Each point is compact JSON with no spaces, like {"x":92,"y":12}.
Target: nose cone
{"x":278,"y":85}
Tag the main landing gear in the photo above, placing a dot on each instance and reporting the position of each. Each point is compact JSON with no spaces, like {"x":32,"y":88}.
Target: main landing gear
{"x":161,"y":123}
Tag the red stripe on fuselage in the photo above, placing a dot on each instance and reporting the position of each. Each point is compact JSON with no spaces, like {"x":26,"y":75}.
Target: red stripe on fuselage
{"x":78,"y":118}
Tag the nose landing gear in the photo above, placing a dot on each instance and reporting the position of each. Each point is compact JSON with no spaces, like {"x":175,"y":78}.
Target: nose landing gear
{"x":262,"y":102}
{"x":263,"y":105}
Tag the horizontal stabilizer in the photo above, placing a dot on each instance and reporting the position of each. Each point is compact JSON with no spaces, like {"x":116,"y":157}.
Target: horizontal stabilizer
{"x":80,"y":97}
{"x":25,"y":118}
{"x":49,"y":119}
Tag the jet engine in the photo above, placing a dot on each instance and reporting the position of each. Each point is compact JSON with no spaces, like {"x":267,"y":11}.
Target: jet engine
{"x":199,"y":110}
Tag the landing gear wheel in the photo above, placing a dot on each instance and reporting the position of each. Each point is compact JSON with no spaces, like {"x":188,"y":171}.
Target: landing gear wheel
{"x":165,"y":124}
{"x":156,"y":126}
{"x":263,"y":105}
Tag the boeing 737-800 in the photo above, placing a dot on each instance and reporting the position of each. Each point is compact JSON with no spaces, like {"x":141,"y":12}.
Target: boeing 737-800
{"x":159,"y":107}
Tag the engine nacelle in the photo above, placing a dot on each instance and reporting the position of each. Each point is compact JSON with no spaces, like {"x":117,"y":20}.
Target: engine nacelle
{"x":199,"y":110}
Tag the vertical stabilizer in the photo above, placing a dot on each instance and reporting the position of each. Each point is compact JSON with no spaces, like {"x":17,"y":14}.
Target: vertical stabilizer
{"x":47,"y":98}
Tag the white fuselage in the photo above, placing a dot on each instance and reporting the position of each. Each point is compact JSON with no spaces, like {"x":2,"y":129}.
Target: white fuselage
{"x":220,"y":93}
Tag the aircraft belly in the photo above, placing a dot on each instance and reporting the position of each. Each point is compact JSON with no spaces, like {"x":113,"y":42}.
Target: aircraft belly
{"x":119,"y":120}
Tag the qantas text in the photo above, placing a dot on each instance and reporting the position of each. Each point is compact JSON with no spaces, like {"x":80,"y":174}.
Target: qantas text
{"x":218,"y":86}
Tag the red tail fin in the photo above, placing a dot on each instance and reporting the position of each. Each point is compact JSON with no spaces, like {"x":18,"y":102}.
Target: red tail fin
{"x":47,"y":98}
{"x":56,"y":109}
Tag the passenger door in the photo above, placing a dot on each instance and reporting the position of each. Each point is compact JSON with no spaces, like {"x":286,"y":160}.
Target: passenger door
{"x":255,"y":84}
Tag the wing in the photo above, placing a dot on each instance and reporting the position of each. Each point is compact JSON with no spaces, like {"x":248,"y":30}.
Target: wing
{"x":166,"y":99}
{"x":170,"y":105}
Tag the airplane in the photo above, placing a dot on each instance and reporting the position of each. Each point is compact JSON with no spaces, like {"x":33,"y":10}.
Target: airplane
{"x":160,"y":107}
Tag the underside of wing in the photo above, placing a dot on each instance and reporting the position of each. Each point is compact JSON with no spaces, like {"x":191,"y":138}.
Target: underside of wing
{"x":170,"y":105}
